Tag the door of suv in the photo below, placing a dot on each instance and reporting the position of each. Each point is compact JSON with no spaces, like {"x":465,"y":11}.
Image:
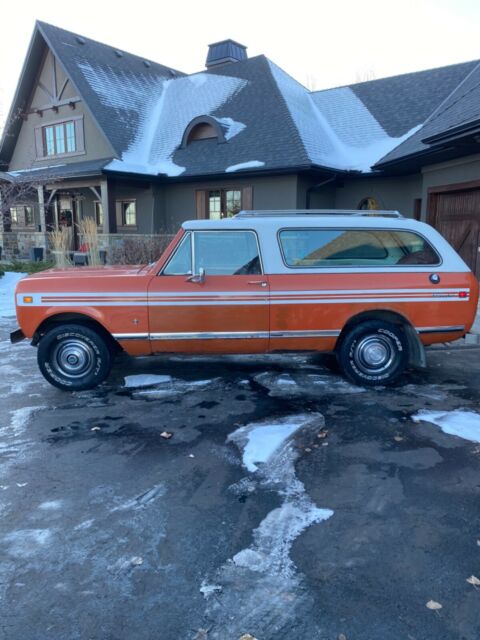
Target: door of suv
{"x":211,"y":296}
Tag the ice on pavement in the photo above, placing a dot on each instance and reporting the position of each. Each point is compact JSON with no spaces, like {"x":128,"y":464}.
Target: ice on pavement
{"x":8,"y":282}
{"x":270,"y":443}
{"x":464,"y":424}
{"x":145,"y":380}
{"x":263,"y":440}
{"x":265,"y":566}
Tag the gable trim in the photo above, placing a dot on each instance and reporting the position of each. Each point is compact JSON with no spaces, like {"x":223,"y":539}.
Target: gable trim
{"x":87,"y":106}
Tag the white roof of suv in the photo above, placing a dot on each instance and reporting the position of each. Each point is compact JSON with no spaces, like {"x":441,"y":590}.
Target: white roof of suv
{"x":268,"y":223}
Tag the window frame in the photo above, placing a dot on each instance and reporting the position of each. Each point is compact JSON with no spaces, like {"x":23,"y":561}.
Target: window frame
{"x":343,"y":267}
{"x":79,"y":133}
{"x":54,"y":126}
{"x":123,"y":224}
{"x":193,"y":233}
{"x":223,"y":201}
{"x":21,"y":216}
{"x":97,"y":206}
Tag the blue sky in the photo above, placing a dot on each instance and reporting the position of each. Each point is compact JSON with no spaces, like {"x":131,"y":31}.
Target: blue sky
{"x":322,"y":44}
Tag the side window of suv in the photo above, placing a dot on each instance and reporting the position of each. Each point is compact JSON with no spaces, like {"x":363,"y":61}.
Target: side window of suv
{"x":181,"y":262}
{"x":310,"y":248}
{"x":226,"y":253}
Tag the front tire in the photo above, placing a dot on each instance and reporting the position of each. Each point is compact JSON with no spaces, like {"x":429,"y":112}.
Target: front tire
{"x":74,"y":357}
{"x":373,"y":353}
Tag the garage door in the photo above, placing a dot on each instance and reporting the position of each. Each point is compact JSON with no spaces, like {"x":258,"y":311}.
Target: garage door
{"x":456,"y":214}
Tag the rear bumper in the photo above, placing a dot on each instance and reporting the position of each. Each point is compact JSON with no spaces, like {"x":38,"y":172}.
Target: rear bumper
{"x":17,"y":336}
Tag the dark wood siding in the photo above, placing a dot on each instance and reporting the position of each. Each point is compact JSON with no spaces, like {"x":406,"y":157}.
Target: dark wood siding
{"x":454,"y":210}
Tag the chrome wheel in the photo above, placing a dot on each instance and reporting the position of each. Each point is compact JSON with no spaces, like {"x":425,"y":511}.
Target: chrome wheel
{"x":374,"y":354}
{"x":73,"y":358}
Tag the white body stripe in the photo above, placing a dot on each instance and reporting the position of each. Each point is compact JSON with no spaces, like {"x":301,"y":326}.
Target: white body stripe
{"x":222,"y":298}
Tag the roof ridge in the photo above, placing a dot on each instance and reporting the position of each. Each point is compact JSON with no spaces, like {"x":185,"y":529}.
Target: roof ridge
{"x":41,"y":24}
{"x":397,"y":75}
{"x":285,"y":104}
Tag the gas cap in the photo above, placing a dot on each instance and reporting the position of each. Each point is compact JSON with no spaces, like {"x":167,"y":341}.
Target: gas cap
{"x":434,"y":278}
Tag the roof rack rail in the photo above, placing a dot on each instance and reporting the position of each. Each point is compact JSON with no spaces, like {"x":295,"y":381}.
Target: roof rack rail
{"x":319,"y":212}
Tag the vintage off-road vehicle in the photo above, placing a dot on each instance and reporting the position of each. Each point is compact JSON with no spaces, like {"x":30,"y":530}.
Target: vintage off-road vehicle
{"x":372,"y":289}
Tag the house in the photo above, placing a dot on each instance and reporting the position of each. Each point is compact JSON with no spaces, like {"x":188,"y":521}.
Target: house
{"x":141,"y":147}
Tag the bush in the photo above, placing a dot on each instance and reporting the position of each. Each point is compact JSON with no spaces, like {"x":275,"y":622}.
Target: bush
{"x":25,"y":267}
{"x":138,"y":251}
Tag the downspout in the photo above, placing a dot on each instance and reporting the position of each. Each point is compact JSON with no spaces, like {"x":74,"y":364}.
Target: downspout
{"x":317,"y":186}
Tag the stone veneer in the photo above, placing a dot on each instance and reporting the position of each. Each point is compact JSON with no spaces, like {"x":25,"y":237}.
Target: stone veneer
{"x":17,"y":244}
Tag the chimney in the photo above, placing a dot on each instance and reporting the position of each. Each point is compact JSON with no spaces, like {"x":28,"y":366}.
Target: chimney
{"x":224,"y":52}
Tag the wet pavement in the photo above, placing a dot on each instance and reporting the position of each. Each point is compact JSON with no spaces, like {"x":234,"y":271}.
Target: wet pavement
{"x":354,"y":522}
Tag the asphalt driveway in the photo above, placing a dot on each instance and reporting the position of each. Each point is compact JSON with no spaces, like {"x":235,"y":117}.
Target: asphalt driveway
{"x":356,"y":520}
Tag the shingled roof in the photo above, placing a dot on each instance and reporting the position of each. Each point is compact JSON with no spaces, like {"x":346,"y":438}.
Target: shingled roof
{"x":269,"y":120}
{"x":459,"y":108}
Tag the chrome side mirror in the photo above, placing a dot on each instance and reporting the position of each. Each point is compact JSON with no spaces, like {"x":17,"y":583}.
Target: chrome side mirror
{"x":197,"y":278}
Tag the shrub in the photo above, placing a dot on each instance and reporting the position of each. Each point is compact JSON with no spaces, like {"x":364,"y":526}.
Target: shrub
{"x":25,"y":267}
{"x":138,"y":250}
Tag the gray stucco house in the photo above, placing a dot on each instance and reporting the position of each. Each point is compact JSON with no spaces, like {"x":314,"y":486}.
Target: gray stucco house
{"x":141,"y":147}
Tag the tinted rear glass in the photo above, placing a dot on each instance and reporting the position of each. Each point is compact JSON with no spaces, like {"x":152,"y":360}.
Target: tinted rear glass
{"x":310,"y":248}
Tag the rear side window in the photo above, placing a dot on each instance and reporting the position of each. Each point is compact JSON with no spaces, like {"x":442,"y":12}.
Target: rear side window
{"x":310,"y":248}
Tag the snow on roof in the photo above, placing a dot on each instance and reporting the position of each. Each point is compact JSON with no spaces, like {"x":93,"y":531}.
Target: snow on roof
{"x":251,"y":164}
{"x":337,"y":129}
{"x":164,"y":109}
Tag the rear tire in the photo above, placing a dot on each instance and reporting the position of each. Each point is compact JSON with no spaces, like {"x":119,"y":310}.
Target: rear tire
{"x":374,"y":352}
{"x":74,"y":357}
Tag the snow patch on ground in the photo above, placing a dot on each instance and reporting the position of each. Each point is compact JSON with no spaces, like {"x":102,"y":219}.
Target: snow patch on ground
{"x":8,"y":282}
{"x":20,"y":417}
{"x":25,"y":543}
{"x":464,"y":424}
{"x":252,"y":164}
{"x":260,"y":588}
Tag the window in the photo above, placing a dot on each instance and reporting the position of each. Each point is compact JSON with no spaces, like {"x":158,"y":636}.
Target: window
{"x":223,"y":203}
{"x":98,"y":213}
{"x":312,"y":248}
{"x":59,"y":139}
{"x":225,"y":253}
{"x":202,"y":131}
{"x":128,"y":210}
{"x":202,"y":128}
{"x":22,"y":216}
{"x":181,"y":262}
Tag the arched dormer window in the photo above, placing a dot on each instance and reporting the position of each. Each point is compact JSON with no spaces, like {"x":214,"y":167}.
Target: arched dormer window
{"x":202,"y":128}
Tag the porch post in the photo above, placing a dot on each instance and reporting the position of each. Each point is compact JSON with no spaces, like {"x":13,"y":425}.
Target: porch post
{"x":108,"y":207}
{"x":41,"y":209}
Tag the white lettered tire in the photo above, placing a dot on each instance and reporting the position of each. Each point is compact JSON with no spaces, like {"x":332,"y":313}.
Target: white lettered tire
{"x":374,"y":352}
{"x":74,"y":357}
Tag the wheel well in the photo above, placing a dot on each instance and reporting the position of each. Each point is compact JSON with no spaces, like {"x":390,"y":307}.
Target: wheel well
{"x":77,"y":318}
{"x":416,"y":350}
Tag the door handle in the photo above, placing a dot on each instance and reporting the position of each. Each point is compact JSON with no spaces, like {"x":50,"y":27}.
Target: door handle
{"x":259,"y":283}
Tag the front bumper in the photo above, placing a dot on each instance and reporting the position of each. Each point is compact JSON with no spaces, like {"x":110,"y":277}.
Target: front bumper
{"x":17,"y":336}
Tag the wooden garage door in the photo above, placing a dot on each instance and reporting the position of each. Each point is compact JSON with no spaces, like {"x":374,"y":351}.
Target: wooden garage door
{"x":456,"y":214}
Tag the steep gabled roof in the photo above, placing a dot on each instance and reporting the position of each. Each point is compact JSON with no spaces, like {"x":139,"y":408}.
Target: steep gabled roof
{"x":459,"y":107}
{"x":75,"y":54}
{"x":269,"y":120}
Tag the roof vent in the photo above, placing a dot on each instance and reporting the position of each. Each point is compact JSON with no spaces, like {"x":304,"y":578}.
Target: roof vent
{"x":118,"y":53}
{"x":147,"y":63}
{"x":225,"y":51}
{"x":80,"y":40}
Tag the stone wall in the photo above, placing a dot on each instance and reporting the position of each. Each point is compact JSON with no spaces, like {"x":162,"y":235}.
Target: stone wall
{"x":17,"y":244}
